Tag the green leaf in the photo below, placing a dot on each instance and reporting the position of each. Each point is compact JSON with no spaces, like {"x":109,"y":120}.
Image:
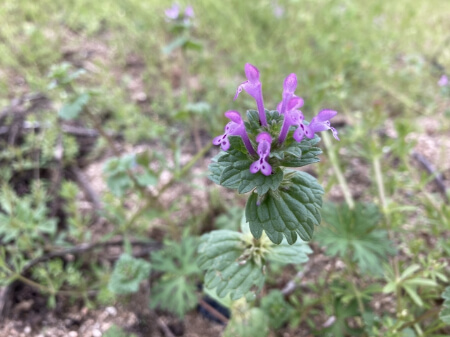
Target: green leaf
{"x":174,"y":295}
{"x":262,"y":183}
{"x":128,"y":273}
{"x":444,"y":315}
{"x":276,"y":308}
{"x":177,"y":43}
{"x":175,"y":290}
{"x":355,"y":233}
{"x":229,"y":270}
{"x":73,"y":109}
{"x":296,"y":253}
{"x":115,"y":331}
{"x":413,"y":294}
{"x":301,"y":154}
{"x":293,"y":210}
{"x":215,"y":169}
{"x":193,"y":45}
{"x":235,"y":163}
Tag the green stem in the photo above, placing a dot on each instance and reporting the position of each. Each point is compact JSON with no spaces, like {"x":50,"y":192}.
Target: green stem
{"x":384,"y":207}
{"x":430,"y":313}
{"x":337,"y":170}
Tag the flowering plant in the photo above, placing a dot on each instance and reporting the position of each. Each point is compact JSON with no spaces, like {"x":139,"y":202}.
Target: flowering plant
{"x":283,"y":202}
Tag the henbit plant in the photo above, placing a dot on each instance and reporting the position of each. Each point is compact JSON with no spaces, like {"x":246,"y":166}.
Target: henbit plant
{"x":283,"y":203}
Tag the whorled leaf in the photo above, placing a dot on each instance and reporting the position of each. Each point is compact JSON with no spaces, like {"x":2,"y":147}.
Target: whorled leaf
{"x":235,"y":261}
{"x":293,"y":210}
{"x":221,"y":254}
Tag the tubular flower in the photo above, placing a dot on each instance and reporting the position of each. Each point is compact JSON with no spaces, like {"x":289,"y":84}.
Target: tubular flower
{"x":235,"y":127}
{"x":173,"y":12}
{"x":321,"y":122}
{"x":253,"y":87}
{"x":289,"y":86}
{"x":262,"y":164}
{"x":443,"y":81}
{"x":292,"y":116}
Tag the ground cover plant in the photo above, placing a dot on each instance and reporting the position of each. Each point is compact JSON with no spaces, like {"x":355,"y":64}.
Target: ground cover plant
{"x":320,"y":209}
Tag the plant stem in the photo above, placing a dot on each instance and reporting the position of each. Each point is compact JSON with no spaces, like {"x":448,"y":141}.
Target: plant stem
{"x":337,"y":170}
{"x":384,"y":207}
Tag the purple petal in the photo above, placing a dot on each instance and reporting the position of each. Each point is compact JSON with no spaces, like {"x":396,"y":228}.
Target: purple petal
{"x":324,"y":115}
{"x":239,"y":89}
{"x":225,"y":145}
{"x":335,"y":133}
{"x":252,"y":73}
{"x":299,"y":134}
{"x":218,"y":140}
{"x":319,"y":126}
{"x":279,"y":107}
{"x":266,"y":169}
{"x":295,"y":103}
{"x":307,"y":130}
{"x":235,"y":116}
{"x":189,"y":12}
{"x":254,"y":167}
{"x":263,"y":136}
{"x":173,"y":12}
{"x":290,"y":84}
{"x":443,"y":81}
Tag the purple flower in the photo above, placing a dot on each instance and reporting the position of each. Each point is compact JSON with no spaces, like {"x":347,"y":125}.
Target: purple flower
{"x":173,"y":12}
{"x":262,"y":164}
{"x":443,"y":81}
{"x":189,"y":12}
{"x":235,"y":127}
{"x":278,"y":11}
{"x":253,"y":87}
{"x":292,"y":116}
{"x":321,"y":122}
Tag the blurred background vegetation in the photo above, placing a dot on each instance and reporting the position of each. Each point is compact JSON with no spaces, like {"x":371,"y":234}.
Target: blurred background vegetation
{"x":376,"y":62}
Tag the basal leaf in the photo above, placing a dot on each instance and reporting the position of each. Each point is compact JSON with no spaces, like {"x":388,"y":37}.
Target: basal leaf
{"x":294,"y":210}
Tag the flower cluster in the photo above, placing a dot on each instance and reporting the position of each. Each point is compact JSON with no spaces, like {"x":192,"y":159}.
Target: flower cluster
{"x":175,"y":13}
{"x":292,"y":120}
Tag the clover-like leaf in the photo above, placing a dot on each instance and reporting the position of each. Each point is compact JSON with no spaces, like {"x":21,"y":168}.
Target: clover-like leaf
{"x":222,"y":254}
{"x":293,"y":210}
{"x":128,"y":273}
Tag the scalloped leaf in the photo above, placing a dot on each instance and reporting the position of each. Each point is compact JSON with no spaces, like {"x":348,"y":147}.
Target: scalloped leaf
{"x":285,"y":253}
{"x":262,"y":183}
{"x":293,"y":210}
{"x":128,"y":273}
{"x":220,"y":254}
